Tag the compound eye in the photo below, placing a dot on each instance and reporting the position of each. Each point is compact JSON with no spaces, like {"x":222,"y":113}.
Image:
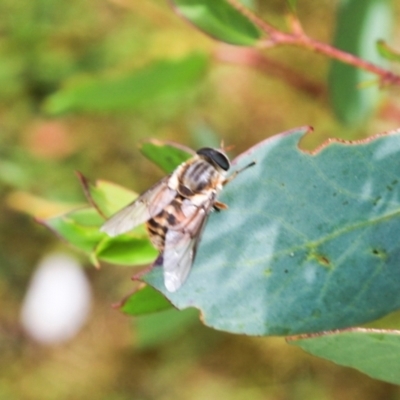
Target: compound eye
{"x":216,"y":156}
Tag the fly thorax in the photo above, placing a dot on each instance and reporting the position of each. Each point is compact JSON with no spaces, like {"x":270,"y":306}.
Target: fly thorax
{"x":197,"y":177}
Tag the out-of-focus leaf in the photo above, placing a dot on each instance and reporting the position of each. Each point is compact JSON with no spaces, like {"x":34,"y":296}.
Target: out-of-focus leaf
{"x":309,"y":242}
{"x":106,"y":197}
{"x":166,"y":155}
{"x":372,"y":351}
{"x":155,"y":329}
{"x":387,"y":52}
{"x":145,"y":301}
{"x":359,"y":25}
{"x":156,"y":82}
{"x":127,"y":249}
{"x":292,"y":5}
{"x":390,"y":321}
{"x":35,"y":206}
{"x":12,"y":173}
{"x":220,"y":20}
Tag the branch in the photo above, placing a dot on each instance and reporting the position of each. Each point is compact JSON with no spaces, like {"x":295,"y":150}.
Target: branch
{"x":297,"y":37}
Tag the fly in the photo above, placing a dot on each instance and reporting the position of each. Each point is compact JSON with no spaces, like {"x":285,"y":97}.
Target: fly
{"x":175,"y":211}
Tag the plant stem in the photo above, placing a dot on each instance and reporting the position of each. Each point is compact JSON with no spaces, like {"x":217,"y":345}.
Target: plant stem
{"x":297,"y":37}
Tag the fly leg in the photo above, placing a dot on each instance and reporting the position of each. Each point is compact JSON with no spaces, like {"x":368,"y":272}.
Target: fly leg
{"x":218,"y":206}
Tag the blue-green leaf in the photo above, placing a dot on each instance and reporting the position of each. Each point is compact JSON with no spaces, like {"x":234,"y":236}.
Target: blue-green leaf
{"x":309,"y":242}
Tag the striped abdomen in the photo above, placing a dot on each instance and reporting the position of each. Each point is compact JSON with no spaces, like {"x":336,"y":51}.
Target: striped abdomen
{"x":168,"y":218}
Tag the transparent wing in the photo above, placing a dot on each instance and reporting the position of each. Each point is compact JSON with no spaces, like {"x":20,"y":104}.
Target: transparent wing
{"x":181,"y":246}
{"x":145,"y":207}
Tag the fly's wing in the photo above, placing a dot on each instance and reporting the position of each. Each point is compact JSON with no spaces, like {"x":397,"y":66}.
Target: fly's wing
{"x":145,"y":207}
{"x":181,"y":244}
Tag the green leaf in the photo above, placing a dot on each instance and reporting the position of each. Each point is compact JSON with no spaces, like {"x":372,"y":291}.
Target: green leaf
{"x":387,"y":52}
{"x":155,"y":329}
{"x":127,"y":249}
{"x":359,"y":25}
{"x":220,"y":20}
{"x":166,"y":155}
{"x":372,"y":351}
{"x":156,"y":82}
{"x":309,"y":242}
{"x":85,"y":217}
{"x":106,"y":197}
{"x":79,"y":227}
{"x":145,"y":301}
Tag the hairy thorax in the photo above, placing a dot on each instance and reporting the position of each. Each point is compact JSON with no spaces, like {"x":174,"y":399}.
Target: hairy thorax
{"x":197,"y":177}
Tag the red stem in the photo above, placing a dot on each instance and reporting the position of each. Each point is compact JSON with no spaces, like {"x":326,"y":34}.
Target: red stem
{"x":298,"y":38}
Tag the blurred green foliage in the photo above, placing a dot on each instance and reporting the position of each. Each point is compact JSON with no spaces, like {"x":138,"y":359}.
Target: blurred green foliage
{"x":46,"y":48}
{"x":360,"y":24}
{"x":376,"y":348}
{"x":219,"y":20}
{"x":387,"y":52}
{"x":159,"y":82}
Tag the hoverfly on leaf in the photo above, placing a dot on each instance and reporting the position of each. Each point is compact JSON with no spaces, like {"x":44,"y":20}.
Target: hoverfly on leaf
{"x":175,"y":211}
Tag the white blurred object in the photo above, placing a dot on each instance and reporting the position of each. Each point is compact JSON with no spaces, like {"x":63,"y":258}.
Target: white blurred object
{"x":57,"y":302}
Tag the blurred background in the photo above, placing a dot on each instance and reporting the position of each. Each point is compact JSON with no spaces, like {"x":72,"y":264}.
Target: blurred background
{"x":69,"y":71}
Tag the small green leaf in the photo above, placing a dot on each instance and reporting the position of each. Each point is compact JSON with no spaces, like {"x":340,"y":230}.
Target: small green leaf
{"x":106,"y":197}
{"x":372,"y":351}
{"x":359,"y":25}
{"x":220,"y":20}
{"x":154,"y":329}
{"x":145,"y":301}
{"x":127,"y":249}
{"x":156,"y":82}
{"x":80,"y":228}
{"x":387,"y":52}
{"x":86,"y":217}
{"x":166,"y":155}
